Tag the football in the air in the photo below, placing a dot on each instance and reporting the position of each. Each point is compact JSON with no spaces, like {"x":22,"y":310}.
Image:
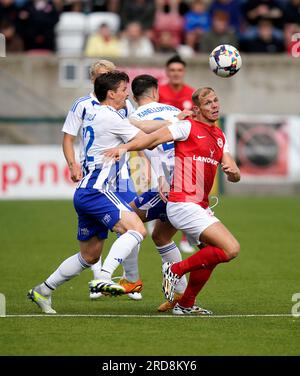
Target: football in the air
{"x":225,"y":60}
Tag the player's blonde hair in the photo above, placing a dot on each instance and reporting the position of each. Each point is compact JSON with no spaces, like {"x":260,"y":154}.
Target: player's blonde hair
{"x":201,"y":93}
{"x":106,"y":64}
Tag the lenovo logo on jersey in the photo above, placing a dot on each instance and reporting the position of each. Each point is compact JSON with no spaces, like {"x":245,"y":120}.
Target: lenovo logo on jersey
{"x":205,"y":160}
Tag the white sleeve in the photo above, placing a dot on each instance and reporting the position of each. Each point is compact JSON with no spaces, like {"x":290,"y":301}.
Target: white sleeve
{"x":226,"y":146}
{"x":73,"y":121}
{"x":125,"y":130}
{"x":180,"y":130}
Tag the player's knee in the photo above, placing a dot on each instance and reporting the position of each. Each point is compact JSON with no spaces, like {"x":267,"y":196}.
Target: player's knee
{"x":91,"y":259}
{"x":159,"y":238}
{"x":233,"y":250}
{"x":141,"y":229}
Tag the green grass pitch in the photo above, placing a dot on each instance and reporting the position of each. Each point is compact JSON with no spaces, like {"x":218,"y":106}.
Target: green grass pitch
{"x":37,"y":235}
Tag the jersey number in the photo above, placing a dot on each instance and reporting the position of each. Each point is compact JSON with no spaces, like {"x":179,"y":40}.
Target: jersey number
{"x":166,"y":145}
{"x":89,"y":132}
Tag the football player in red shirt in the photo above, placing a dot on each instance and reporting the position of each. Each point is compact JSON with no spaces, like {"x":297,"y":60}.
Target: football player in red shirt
{"x":200,"y":146}
{"x":177,"y":93}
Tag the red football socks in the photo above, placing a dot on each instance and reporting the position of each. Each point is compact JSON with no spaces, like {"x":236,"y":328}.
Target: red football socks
{"x":205,"y":258}
{"x":197,"y":280}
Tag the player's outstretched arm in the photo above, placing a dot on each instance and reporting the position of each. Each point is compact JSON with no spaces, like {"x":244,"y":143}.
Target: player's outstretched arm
{"x":230,"y":168}
{"x":149,"y":126}
{"x":141,"y":142}
{"x":69,"y":153}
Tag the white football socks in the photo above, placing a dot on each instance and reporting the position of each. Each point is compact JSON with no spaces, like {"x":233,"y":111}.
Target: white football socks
{"x":170,"y":253}
{"x":119,"y":251}
{"x":96,"y":268}
{"x":68,"y":269}
{"x":130,"y":265}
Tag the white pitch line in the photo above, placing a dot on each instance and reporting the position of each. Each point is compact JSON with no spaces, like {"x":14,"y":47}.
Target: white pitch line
{"x":152,"y":316}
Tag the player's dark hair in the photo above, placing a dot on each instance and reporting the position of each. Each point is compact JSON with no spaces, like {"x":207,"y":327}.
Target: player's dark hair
{"x":108,"y":81}
{"x":175,"y":59}
{"x":142,"y":83}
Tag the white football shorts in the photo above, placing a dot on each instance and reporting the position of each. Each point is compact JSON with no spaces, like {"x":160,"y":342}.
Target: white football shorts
{"x":190,"y":218}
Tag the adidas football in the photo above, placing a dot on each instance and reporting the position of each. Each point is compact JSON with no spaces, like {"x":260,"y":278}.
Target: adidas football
{"x":225,"y":60}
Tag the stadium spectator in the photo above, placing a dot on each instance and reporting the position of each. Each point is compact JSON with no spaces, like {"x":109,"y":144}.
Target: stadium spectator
{"x":13,"y":42}
{"x":266,"y":41}
{"x":177,"y":93}
{"x":168,"y":19}
{"x":134,"y":42}
{"x":196,"y":22}
{"x":164,"y":43}
{"x":188,"y":209}
{"x":72,"y":6}
{"x":292,"y":12}
{"x":141,"y":11}
{"x":9,"y":11}
{"x":103,"y":43}
{"x":39,"y":18}
{"x":232,"y":8}
{"x":220,"y":33}
{"x":104,"y":5}
{"x":255,"y":10}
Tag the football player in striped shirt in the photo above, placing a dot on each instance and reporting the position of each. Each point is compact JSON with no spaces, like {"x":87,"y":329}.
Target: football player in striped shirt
{"x":83,"y":109}
{"x":98,"y":205}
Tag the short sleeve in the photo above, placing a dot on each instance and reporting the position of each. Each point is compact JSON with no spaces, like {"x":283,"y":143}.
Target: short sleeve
{"x":73,"y":121}
{"x":180,"y":130}
{"x":226,"y":146}
{"x":125,"y":130}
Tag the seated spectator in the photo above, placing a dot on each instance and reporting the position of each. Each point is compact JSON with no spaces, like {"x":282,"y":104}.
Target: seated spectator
{"x":165,"y":43}
{"x":141,"y":11}
{"x":39,"y":18}
{"x":9,"y":11}
{"x":102,"y":43}
{"x":231,"y":7}
{"x":220,"y":33}
{"x":105,"y":6}
{"x":265,"y":42}
{"x":292,"y":12}
{"x":134,"y":42}
{"x":13,"y":42}
{"x":197,"y":21}
{"x":168,"y":18}
{"x":72,"y":6}
{"x":255,"y":10}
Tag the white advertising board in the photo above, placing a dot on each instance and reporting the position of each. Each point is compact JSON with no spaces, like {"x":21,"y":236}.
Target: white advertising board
{"x":34,"y":172}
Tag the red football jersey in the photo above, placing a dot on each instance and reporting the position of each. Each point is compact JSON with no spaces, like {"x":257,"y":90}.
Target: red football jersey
{"x":196,"y":162}
{"x":181,"y":99}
